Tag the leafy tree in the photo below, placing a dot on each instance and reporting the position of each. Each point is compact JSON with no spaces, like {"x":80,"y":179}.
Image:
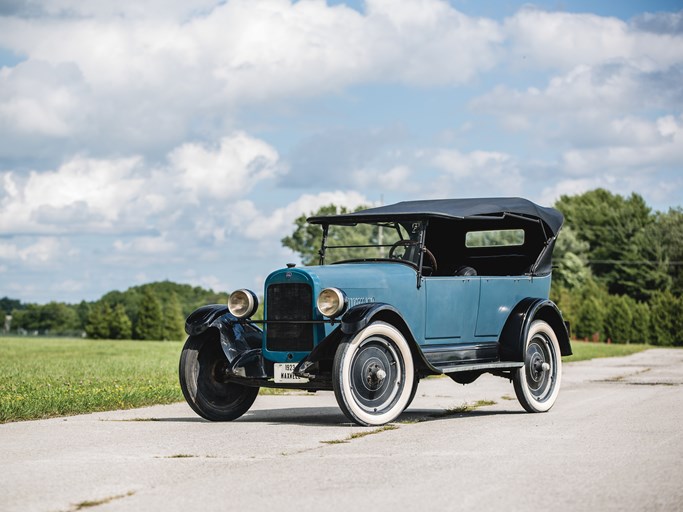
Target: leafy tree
{"x":622,"y":249}
{"x":59,"y":318}
{"x":155,"y":310}
{"x":177,"y":301}
{"x":99,"y":319}
{"x":150,"y":317}
{"x":120,"y":326}
{"x":189,"y":297}
{"x":590,"y":306}
{"x":619,"y":319}
{"x":130,"y":300}
{"x":667,"y":317}
{"x":8,"y":305}
{"x":82,"y":310}
{"x":590,"y":318}
{"x":306,"y":238}
{"x":677,"y":334}
{"x":173,"y":324}
{"x":495,"y":237}
{"x":570,"y":260}
{"x":51,"y":318}
{"x":669,"y":232}
{"x":19,"y":319}
{"x":562,"y":296}
{"x":642,"y":332}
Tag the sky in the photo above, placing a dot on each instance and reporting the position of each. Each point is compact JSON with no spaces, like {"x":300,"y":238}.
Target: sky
{"x":174,"y":139}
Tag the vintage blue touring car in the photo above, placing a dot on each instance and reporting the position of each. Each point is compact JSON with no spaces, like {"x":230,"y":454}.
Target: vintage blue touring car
{"x":453,"y":286}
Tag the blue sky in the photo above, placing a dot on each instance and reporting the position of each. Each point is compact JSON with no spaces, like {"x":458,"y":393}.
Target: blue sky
{"x":169,"y":139}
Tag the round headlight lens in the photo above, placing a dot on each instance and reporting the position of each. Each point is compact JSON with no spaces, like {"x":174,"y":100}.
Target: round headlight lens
{"x":331,"y":302}
{"x":242,"y":303}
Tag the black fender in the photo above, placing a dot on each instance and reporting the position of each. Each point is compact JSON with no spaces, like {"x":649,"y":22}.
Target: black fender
{"x":241,"y":341}
{"x":354,"y":321}
{"x":516,"y":328}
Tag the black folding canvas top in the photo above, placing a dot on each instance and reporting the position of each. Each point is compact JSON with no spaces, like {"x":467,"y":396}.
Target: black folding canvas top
{"x":473,"y":208}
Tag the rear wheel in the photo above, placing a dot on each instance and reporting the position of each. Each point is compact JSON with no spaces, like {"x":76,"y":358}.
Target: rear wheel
{"x":537,"y":383}
{"x":202,"y":380}
{"x":373,"y":375}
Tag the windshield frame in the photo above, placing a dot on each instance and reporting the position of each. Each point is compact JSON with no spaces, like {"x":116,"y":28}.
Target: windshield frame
{"x":416,"y":229}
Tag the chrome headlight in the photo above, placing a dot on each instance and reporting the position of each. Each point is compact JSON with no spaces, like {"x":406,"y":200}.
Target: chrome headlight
{"x":243,"y":303}
{"x":331,"y":302}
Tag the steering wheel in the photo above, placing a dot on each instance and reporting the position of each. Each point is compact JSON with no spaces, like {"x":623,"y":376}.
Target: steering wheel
{"x":400,"y":243}
{"x":408,"y":243}
{"x":432,"y":259}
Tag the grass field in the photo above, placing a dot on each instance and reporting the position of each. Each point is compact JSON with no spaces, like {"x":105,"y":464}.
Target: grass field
{"x":585,"y":350}
{"x":47,"y":377}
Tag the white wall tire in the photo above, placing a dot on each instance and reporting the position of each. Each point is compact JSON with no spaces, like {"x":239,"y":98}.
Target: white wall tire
{"x":537,"y":383}
{"x":374,"y":375}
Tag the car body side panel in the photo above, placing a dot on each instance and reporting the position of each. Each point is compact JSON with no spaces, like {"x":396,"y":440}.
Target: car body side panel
{"x":451,"y":309}
{"x":499,"y":295}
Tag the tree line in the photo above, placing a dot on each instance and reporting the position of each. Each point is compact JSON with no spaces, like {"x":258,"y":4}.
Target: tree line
{"x":618,"y":272}
{"x":154,"y":311}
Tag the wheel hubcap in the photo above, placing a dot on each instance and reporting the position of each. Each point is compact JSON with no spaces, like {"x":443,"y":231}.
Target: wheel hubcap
{"x":540,"y":371}
{"x":376,"y":375}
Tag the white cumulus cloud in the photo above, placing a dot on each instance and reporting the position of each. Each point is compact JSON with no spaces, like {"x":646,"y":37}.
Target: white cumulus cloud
{"x":561,"y":40}
{"x":256,"y":224}
{"x":36,"y":252}
{"x":126,"y":195}
{"x":113,"y":79}
{"x":227,"y":170}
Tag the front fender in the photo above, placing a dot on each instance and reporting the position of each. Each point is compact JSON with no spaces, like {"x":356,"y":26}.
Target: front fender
{"x":354,"y":321}
{"x":236,"y":338}
{"x":203,"y":318}
{"x":358,"y":317}
{"x":513,"y":337}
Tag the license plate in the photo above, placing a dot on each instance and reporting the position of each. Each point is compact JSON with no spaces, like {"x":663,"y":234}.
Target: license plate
{"x":284,"y":373}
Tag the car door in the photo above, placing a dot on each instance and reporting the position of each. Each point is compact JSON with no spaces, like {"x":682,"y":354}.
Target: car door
{"x":451,"y":304}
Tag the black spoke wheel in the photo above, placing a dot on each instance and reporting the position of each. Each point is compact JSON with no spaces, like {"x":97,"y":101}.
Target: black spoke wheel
{"x":203,"y":382}
{"x":537,"y":383}
{"x":373,"y":375}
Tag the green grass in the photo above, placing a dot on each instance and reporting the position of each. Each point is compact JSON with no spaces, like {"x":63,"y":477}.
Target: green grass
{"x":585,"y":350}
{"x":47,"y":377}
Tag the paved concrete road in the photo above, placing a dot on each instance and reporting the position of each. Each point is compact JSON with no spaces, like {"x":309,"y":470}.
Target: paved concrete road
{"x":613,"y":441}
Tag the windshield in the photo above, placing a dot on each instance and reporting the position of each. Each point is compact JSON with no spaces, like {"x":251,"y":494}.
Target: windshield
{"x":373,"y":241}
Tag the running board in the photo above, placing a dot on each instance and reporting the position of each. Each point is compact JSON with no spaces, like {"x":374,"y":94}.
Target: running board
{"x":485,"y":367}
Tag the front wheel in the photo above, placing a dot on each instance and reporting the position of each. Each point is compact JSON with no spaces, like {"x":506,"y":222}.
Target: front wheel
{"x":537,"y":383}
{"x":202,"y":379}
{"x":374,"y":375}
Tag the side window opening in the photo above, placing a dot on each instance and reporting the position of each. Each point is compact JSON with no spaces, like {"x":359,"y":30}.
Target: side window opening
{"x":494,"y":238}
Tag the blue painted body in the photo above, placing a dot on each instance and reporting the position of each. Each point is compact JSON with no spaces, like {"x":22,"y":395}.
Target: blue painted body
{"x":442,"y":310}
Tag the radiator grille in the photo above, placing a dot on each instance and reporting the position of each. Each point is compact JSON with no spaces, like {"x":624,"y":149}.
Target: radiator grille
{"x":289,"y":301}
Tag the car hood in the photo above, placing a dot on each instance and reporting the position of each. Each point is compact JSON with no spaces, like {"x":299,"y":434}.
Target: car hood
{"x":362,"y":282}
